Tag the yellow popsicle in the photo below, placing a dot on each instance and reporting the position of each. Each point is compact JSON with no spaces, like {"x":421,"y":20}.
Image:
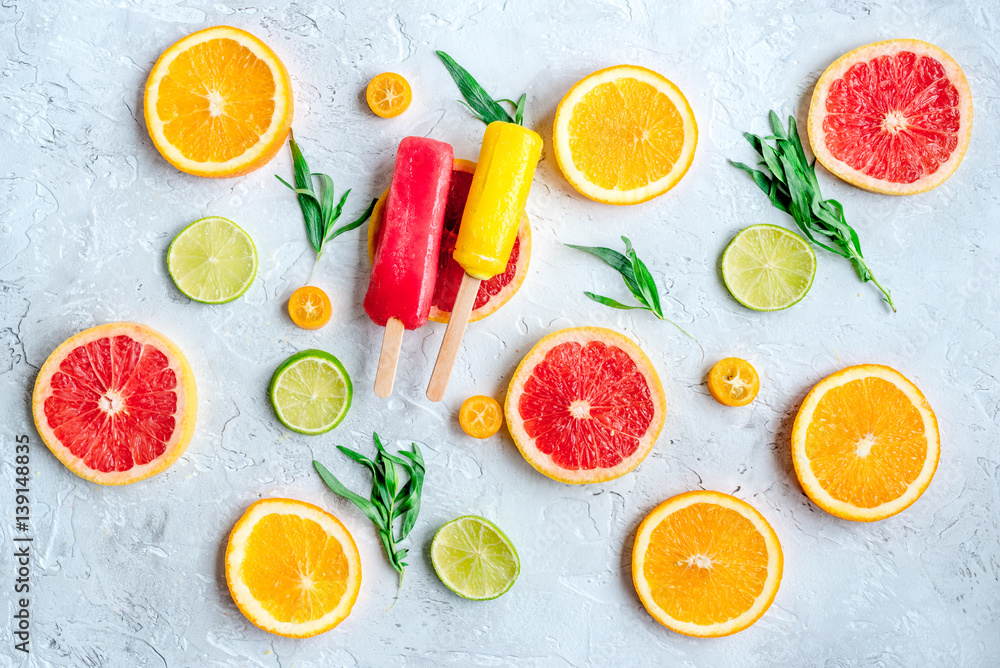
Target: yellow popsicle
{"x":497,"y":196}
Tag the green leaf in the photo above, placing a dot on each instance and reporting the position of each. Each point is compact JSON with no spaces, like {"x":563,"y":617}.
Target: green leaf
{"x":329,"y":195}
{"x":328,"y":230}
{"x":353,"y":224}
{"x":618,"y":262}
{"x":337,"y":488}
{"x":391,"y":499}
{"x":311,"y":211}
{"x":414,"y":490}
{"x":608,"y":301}
{"x":478,"y":100}
{"x":390,"y":552}
{"x":645,"y":280}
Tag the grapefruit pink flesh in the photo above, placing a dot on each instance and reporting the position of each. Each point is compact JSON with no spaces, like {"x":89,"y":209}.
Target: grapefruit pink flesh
{"x":116,"y":403}
{"x":894,"y":118}
{"x":113,"y":402}
{"x":586,"y":406}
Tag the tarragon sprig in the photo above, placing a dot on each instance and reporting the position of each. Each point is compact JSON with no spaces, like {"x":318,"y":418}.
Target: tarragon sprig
{"x":391,"y":498}
{"x":477,"y":100}
{"x":320,"y":210}
{"x":636,"y":276}
{"x":792,"y":187}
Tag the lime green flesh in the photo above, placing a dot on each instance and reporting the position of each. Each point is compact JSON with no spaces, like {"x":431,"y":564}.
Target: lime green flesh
{"x":768,"y":268}
{"x":474,"y":558}
{"x":311,"y":392}
{"x":212,"y":260}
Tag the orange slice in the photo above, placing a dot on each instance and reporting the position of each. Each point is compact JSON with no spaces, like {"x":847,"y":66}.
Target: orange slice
{"x":865,"y":443}
{"x":733,"y":382}
{"x":218,"y":103}
{"x":309,"y":307}
{"x":292,"y":568}
{"x":892,"y":117}
{"x":624,"y":135}
{"x":480,"y":416}
{"x":706,"y":564}
{"x":388,"y":95}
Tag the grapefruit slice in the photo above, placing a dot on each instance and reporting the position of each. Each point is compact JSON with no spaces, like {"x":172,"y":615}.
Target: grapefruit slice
{"x":116,"y":403}
{"x":585,"y":405}
{"x":892,"y":117}
{"x":493,"y":293}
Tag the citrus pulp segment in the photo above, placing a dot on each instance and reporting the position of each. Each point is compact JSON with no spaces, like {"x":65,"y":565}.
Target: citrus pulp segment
{"x":768,"y":268}
{"x":388,"y":95}
{"x":865,"y":443}
{"x":585,"y":405}
{"x":733,"y":382}
{"x":311,"y":392}
{"x":218,"y":103}
{"x":212,"y":260}
{"x":892,"y":117}
{"x":292,"y":568}
{"x":116,"y":403}
{"x":494,"y":292}
{"x":474,"y":558}
{"x":624,"y":135}
{"x":706,"y":564}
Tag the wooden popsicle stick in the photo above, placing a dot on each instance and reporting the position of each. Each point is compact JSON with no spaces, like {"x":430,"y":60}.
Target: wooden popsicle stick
{"x":385,"y":374}
{"x":459,"y":320}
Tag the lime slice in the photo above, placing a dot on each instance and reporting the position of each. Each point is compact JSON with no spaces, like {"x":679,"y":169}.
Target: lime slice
{"x":474,"y":558}
{"x":212,"y":260}
{"x":311,"y":392}
{"x":768,"y":268}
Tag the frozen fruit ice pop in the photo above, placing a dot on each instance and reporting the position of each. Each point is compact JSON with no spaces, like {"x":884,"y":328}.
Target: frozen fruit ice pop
{"x":499,"y":190}
{"x":406,"y":255}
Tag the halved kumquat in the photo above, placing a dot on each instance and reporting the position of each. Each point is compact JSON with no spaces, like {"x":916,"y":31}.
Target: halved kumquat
{"x":309,"y":307}
{"x":733,"y":382}
{"x":480,"y":416}
{"x":388,"y":95}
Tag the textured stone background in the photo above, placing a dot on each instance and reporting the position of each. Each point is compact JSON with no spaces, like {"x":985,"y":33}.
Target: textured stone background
{"x":133,"y":577}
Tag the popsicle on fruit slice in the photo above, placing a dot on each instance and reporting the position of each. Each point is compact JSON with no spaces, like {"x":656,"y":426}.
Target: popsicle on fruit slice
{"x":489,"y":226}
{"x":406,"y":257}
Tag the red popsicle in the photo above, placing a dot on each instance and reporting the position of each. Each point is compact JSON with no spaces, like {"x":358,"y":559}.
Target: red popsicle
{"x":406,"y":260}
